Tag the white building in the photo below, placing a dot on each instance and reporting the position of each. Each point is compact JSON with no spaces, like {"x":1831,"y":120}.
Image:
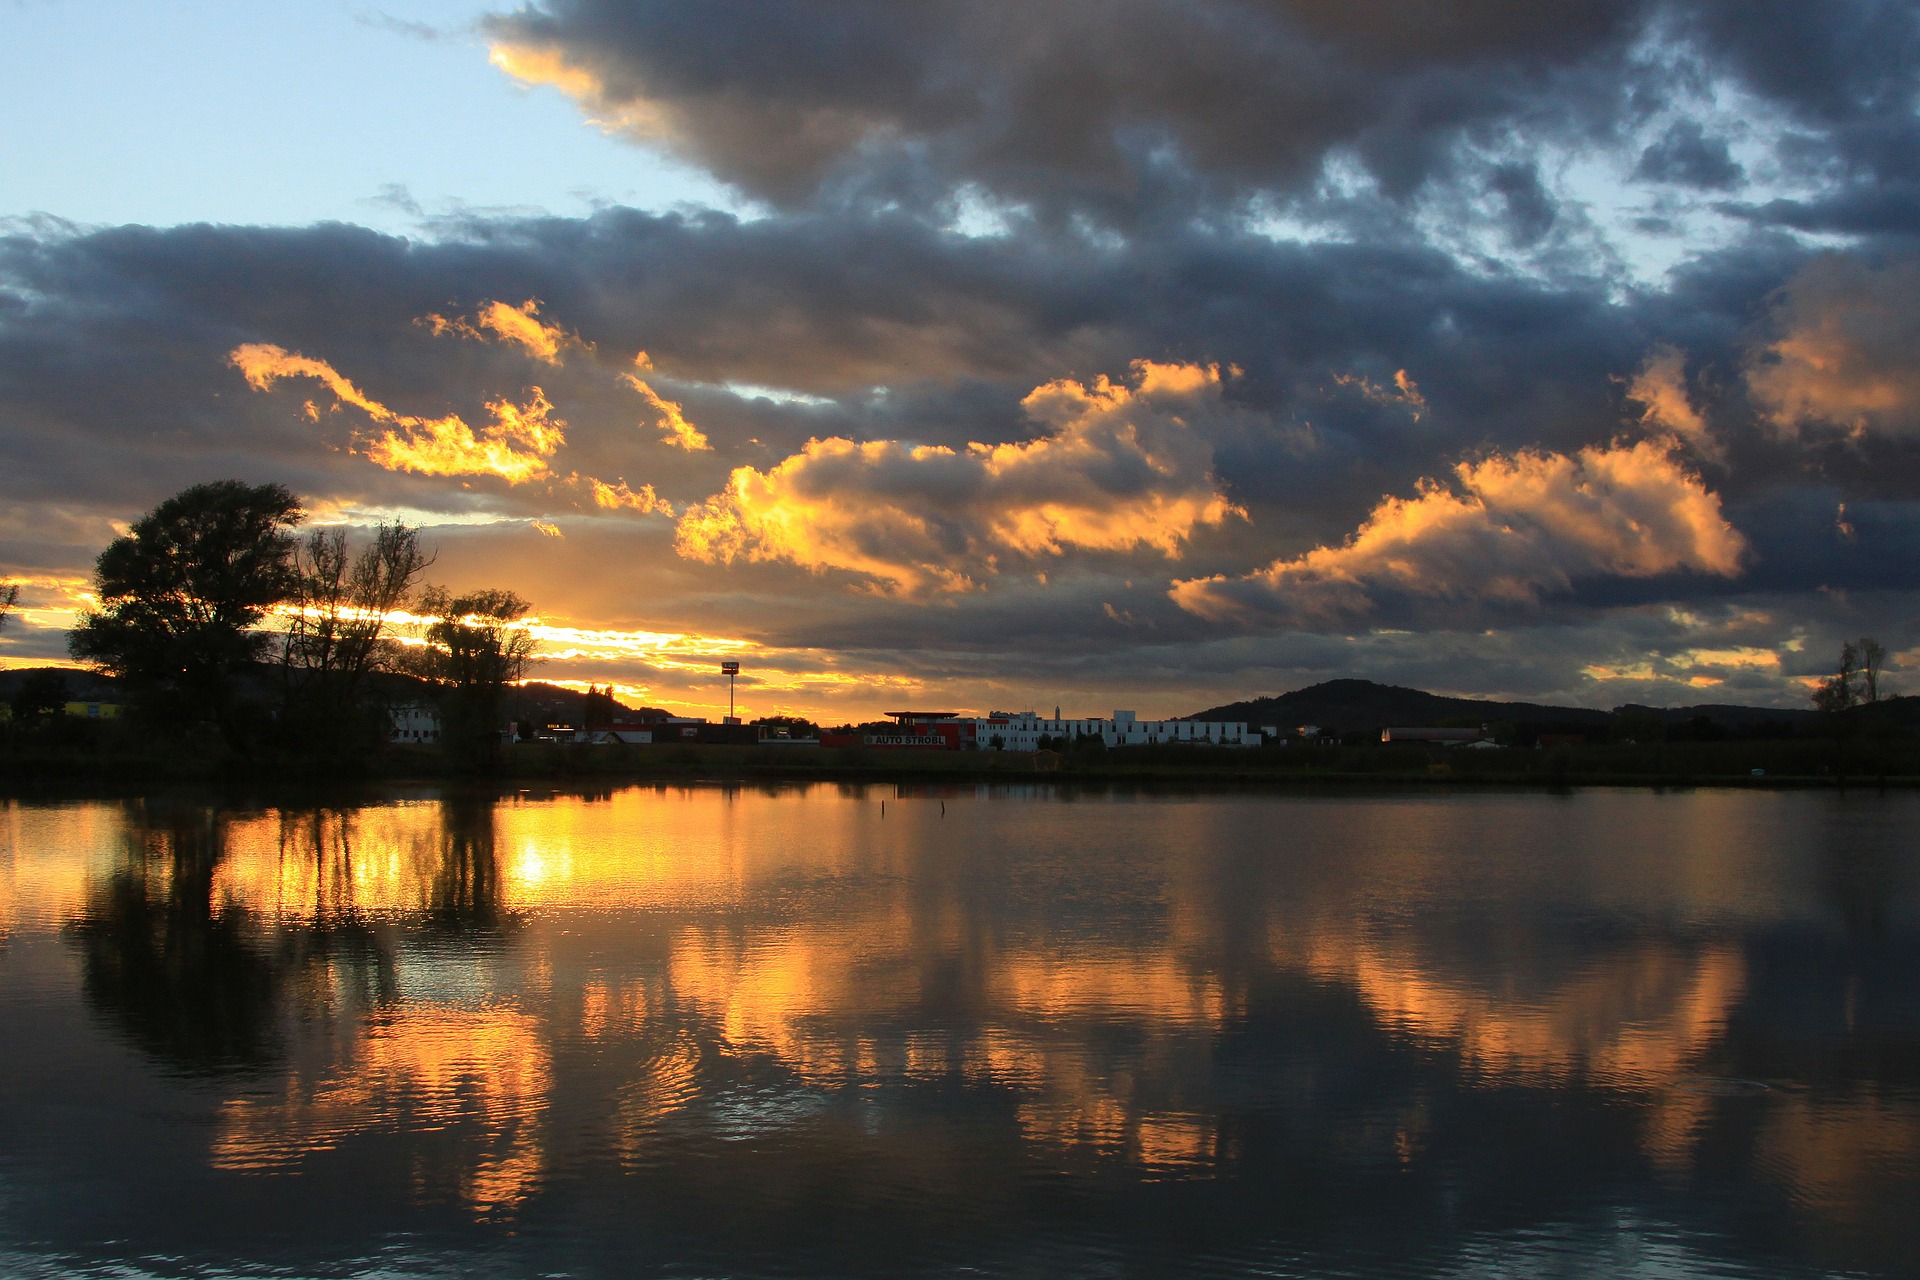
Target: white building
{"x":413,"y":723}
{"x":1022,"y":731}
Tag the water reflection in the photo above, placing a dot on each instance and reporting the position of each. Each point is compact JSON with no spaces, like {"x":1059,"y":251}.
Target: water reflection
{"x":186,"y":972}
{"x":975,"y":1032}
{"x":469,"y":1086}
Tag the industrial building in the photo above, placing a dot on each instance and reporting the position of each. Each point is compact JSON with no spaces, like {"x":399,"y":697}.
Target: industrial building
{"x":1025,"y":730}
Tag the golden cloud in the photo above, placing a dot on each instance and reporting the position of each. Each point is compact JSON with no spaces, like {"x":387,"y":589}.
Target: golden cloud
{"x":1843,"y":355}
{"x":1119,"y":469}
{"x":48,"y":603}
{"x":1511,"y":529}
{"x":1404,"y":393}
{"x":1660,"y":388}
{"x":532,"y":65}
{"x":515,"y":446}
{"x":520,"y":326}
{"x":618,"y":497}
{"x":674,"y":427}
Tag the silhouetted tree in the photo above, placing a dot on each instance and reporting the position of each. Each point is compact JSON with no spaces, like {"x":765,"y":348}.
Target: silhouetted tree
{"x":796,"y":726}
{"x":9,"y":597}
{"x":338,"y":630}
{"x":1837,"y":692}
{"x":1857,"y":681}
{"x":181,"y":596}
{"x":476,"y":645}
{"x":599,"y":707}
{"x":1872,"y":657}
{"x":1855,"y":684}
{"x":42,"y":694}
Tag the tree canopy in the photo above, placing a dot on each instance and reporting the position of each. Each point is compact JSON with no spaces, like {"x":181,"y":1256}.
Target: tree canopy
{"x":476,"y":645}
{"x":337,"y":630}
{"x":1857,"y":682}
{"x":182,"y":593}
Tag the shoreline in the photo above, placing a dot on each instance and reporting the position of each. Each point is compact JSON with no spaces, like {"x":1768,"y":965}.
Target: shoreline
{"x":1349,"y":770}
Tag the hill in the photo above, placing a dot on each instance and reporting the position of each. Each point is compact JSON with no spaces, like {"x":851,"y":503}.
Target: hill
{"x":84,"y":686}
{"x":535,"y":701}
{"x":1349,"y":706}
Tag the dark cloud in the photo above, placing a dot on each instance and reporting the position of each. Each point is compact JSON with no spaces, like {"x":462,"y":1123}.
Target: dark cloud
{"x":1360,"y":213}
{"x":1530,"y":210}
{"x":1686,"y":155}
{"x":1116,"y":110}
{"x":1105,"y":106}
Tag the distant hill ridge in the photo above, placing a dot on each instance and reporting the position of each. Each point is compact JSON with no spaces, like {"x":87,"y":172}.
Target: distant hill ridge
{"x":1353,"y":705}
{"x":535,"y":700}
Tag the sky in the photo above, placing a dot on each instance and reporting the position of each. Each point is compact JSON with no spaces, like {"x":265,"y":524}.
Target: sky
{"x":1149,"y":354}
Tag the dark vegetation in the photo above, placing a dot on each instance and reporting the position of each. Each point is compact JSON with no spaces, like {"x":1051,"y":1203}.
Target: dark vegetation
{"x":201,"y":687}
{"x":1866,"y":743}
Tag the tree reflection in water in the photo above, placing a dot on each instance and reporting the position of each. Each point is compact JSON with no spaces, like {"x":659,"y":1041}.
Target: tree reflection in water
{"x":201,"y":964}
{"x":466,"y":884}
{"x":186,"y":978}
{"x":738,"y":1028}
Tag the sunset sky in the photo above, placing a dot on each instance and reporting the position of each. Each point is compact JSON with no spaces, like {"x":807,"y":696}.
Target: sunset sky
{"x":1147,"y":353}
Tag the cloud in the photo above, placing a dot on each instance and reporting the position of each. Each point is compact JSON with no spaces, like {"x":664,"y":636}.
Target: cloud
{"x":1120,"y":469}
{"x":675,"y":430}
{"x":515,"y":446}
{"x":1126,"y":112}
{"x":1685,"y":155}
{"x":1660,"y":388}
{"x":617,"y":497}
{"x":1841,"y":357}
{"x":1405,"y":392}
{"x":520,"y":326}
{"x":1034,"y":101}
{"x":1509,"y":530}
{"x":115,"y":392}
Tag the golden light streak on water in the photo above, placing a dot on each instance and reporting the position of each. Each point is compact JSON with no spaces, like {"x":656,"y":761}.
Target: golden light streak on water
{"x":695,"y":937}
{"x":477,"y":1080}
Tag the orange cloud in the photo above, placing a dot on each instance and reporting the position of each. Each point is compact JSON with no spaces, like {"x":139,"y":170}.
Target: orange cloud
{"x":532,"y":65}
{"x":1660,"y":388}
{"x":1118,"y":470}
{"x":1843,"y":357}
{"x":618,"y":497}
{"x":1404,"y":393}
{"x":263,"y":364}
{"x":674,"y":427}
{"x":519,"y":325}
{"x":1511,"y":529}
{"x":515,"y":446}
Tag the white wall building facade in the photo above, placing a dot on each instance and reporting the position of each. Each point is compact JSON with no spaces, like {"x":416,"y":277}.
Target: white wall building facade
{"x":1022,"y":731}
{"x":413,"y":723}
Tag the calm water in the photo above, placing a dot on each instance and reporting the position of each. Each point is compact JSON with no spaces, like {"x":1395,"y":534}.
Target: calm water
{"x":721,"y":1032}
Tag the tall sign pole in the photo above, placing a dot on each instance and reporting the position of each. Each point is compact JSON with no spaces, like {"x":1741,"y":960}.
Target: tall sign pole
{"x":730,"y":669}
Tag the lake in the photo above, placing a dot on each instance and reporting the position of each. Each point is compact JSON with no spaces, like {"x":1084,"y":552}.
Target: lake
{"x":839,"y":1031}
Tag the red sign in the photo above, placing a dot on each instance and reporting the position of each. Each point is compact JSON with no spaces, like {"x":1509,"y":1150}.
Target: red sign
{"x":729,"y":668}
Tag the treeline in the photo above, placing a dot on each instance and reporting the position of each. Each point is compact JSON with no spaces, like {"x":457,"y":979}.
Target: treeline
{"x":232,"y":634}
